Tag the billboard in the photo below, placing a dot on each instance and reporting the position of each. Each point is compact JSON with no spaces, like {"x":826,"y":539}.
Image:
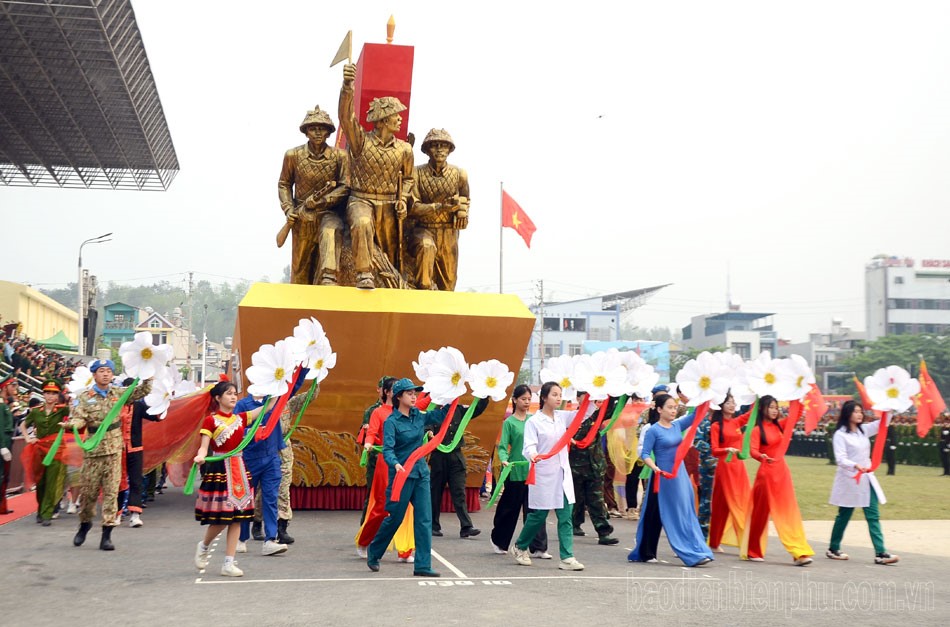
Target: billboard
{"x":657,"y":354}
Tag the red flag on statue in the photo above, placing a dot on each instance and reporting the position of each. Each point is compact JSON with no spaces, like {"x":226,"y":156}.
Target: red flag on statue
{"x":929,"y":402}
{"x":514,"y":217}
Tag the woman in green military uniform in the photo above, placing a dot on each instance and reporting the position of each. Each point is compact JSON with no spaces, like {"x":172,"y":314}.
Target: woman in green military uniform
{"x":49,"y":480}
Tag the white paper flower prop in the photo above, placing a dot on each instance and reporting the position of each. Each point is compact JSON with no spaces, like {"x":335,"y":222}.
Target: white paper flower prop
{"x":421,"y":367}
{"x":601,"y":376}
{"x":160,"y":396}
{"x":560,"y":370}
{"x":490,"y":378}
{"x":703,"y":379}
{"x":307,"y":336}
{"x":891,"y":389}
{"x":447,"y":374}
{"x":320,"y":360}
{"x":80,"y":382}
{"x":769,"y":376}
{"x":272,"y":369}
{"x":801,"y":377}
{"x":142,"y":359}
{"x":641,"y":377}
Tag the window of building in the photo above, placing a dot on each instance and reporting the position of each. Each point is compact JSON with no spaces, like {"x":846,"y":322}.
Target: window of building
{"x":119,"y":317}
{"x":898,"y":280}
{"x":154,"y":324}
{"x":892,"y":303}
{"x":574,"y":349}
{"x":688,"y":332}
{"x":552,"y":324}
{"x":601,"y":334}
{"x":742,"y":349}
{"x":574,"y":324}
{"x":552,"y":350}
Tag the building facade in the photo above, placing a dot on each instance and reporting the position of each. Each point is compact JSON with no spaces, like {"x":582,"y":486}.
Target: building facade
{"x":118,"y":326}
{"x":41,"y":316}
{"x":905,"y":296}
{"x":746,"y":334}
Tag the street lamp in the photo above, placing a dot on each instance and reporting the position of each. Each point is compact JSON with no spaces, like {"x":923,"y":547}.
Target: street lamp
{"x":82,"y":306}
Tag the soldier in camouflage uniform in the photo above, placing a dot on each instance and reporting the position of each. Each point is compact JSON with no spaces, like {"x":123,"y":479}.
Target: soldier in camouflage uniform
{"x":707,"y":471}
{"x":440,"y":210}
{"x":588,"y":467}
{"x":381,"y":171}
{"x":312,"y":189}
{"x":102,"y":466}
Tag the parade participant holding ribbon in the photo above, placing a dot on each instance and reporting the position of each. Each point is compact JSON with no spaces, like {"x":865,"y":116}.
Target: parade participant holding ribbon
{"x":730,"y":491}
{"x":553,"y":487}
{"x":773,"y":493}
{"x":514,"y":497}
{"x":225,"y":497}
{"x":402,"y":434}
{"x":49,"y":480}
{"x":102,"y":464}
{"x":671,"y":508}
{"x":852,"y":446}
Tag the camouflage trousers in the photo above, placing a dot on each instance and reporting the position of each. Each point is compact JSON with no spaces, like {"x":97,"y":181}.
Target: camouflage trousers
{"x":589,"y":496}
{"x":100,"y":471}
{"x":706,"y":476}
{"x":283,"y":492}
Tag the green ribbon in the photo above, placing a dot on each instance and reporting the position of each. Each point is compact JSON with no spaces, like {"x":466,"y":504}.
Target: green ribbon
{"x":306,"y":403}
{"x":91,"y":443}
{"x":647,"y":472}
{"x":54,"y":448}
{"x":505,"y":471}
{"x":621,"y":403}
{"x":364,"y":458}
{"x":448,"y":448}
{"x":747,"y":436}
{"x":248,"y":436}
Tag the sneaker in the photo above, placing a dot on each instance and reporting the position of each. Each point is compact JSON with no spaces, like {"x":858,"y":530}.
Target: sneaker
{"x":361,"y":551}
{"x":202,"y":557}
{"x":72,"y":508}
{"x":570,"y":563}
{"x":136,"y":520}
{"x":614,"y":514}
{"x":541,"y":555}
{"x":55,"y":515}
{"x":118,"y":519}
{"x":497,"y":550}
{"x":230,"y":569}
{"x":272,"y":547}
{"x":407,"y":560}
{"x":804,"y":560}
{"x":652,"y":560}
{"x":703,"y":561}
{"x":886,"y":558}
{"x":836,"y":555}
{"x":521,"y":556}
{"x":756,"y":559}
{"x":241,"y":547}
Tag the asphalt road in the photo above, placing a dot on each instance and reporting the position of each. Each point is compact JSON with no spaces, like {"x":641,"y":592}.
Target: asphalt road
{"x":150,"y":579}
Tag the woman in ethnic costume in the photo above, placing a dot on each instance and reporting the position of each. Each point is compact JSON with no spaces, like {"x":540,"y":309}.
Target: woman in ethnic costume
{"x":225,"y":497}
{"x":731,"y":492}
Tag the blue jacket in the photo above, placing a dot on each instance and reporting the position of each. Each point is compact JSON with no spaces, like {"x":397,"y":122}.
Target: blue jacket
{"x":259,"y":449}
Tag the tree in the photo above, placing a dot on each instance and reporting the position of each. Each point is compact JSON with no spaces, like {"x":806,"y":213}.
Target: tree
{"x":679,"y":360}
{"x":630,"y":332}
{"x":905,"y":351}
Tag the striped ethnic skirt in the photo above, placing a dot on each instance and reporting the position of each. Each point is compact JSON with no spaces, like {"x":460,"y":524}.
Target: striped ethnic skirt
{"x":225,"y":495}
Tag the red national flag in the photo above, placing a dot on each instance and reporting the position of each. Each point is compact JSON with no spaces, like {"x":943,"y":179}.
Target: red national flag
{"x":865,"y":401}
{"x":929,"y":402}
{"x":513,"y":216}
{"x":815,"y":408}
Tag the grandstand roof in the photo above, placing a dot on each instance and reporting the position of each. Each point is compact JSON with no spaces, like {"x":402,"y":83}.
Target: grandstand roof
{"x":79,"y":103}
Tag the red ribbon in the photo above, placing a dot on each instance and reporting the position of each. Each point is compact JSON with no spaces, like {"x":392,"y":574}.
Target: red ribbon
{"x":264,"y":432}
{"x":564,"y":439}
{"x":878,"y":452}
{"x":595,"y":428}
{"x":795,"y":409}
{"x":419,"y":453}
{"x":685,"y":445}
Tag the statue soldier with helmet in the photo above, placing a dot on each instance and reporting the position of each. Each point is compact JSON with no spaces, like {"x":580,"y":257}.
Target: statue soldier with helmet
{"x":312,"y":188}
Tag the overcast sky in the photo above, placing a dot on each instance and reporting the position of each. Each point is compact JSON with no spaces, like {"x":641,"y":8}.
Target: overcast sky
{"x":650,"y":142}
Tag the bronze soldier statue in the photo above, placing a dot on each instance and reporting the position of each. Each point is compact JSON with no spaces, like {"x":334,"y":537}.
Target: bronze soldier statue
{"x":381,"y":170}
{"x":439,"y":210}
{"x":312,"y":187}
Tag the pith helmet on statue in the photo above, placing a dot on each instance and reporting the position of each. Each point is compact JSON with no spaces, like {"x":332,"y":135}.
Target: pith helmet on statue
{"x":437,"y":135}
{"x":317,"y":117}
{"x":382,"y":108}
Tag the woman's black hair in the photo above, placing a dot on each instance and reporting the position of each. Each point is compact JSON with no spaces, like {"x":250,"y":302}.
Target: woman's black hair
{"x":545,"y":390}
{"x":844,"y":418}
{"x":764,"y":403}
{"x":386,"y":388}
{"x":717,"y":415}
{"x":520,"y":390}
{"x":658,"y":401}
{"x":220,"y":388}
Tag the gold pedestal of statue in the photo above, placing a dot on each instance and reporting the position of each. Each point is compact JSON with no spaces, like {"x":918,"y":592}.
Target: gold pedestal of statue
{"x":375,"y":333}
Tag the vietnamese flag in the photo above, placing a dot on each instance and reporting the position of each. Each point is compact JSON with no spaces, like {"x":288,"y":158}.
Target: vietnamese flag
{"x":815,"y":408}
{"x":514,"y":217}
{"x":865,"y":401}
{"x":929,"y":402}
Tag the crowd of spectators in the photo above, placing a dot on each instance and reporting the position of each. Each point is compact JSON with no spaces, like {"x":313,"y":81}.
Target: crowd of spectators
{"x":26,"y":357}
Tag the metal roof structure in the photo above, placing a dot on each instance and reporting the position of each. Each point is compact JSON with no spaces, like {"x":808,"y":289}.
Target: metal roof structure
{"x":626,"y":301}
{"x":78,"y":103}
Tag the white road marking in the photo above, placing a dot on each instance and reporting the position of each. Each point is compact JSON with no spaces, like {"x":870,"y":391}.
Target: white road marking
{"x":449,"y":565}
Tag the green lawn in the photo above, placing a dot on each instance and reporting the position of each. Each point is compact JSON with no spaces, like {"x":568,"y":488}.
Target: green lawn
{"x":913,"y":493}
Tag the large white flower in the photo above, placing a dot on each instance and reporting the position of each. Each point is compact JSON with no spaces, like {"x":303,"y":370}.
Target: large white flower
{"x":179,"y":386}
{"x":160,"y":396}
{"x":737,"y":371}
{"x":601,"y":376}
{"x":447,"y":374}
{"x":421,"y":367}
{"x":560,"y":370}
{"x":891,"y":389}
{"x":703,"y":379}
{"x":142,"y":359}
{"x":490,"y":378}
{"x":272,"y":369}
{"x":80,"y":382}
{"x":801,"y":378}
{"x":307,"y":336}
{"x":320,"y":360}
{"x":769,"y":376}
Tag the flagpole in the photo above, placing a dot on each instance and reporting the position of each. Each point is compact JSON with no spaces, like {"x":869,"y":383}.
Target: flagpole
{"x":501,"y":229}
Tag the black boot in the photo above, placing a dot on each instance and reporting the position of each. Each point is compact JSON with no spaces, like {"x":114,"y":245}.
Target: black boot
{"x":282,"y":535}
{"x":80,"y":536}
{"x":105,"y":544}
{"x":257,"y":532}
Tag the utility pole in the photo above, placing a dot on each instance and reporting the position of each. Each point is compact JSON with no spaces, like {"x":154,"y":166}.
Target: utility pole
{"x":191,"y":311}
{"x":541,"y":315}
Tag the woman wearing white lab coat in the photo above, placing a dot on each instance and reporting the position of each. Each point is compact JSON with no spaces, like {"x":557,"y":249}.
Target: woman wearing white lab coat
{"x":553,"y":488}
{"x":852,"y":447}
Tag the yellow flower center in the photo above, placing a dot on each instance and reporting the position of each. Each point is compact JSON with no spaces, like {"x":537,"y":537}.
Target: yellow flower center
{"x":146,"y":353}
{"x":769,"y":378}
{"x":491,"y":382}
{"x":892,"y":393}
{"x":456,"y":377}
{"x":565,"y":383}
{"x":279,"y":374}
{"x":704,"y":382}
{"x":319,"y":364}
{"x":800,"y":381}
{"x":599,"y":381}
{"x":312,"y":342}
